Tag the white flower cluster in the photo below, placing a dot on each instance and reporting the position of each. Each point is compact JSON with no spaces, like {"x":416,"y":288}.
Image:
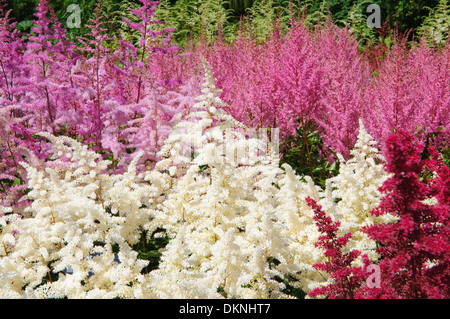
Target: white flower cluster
{"x":76,"y":238}
{"x":221,"y":210}
{"x":239,"y":225}
{"x":351,"y":195}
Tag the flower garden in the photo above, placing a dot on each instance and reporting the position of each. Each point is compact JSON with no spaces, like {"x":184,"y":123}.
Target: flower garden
{"x":281,"y":160}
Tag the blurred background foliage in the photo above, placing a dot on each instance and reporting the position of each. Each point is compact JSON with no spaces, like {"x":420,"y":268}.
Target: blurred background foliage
{"x":194,"y":18}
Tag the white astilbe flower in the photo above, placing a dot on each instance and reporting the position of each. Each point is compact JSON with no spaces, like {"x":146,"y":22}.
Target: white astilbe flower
{"x":356,"y":192}
{"x":82,"y":223}
{"x":220,"y":212}
{"x":299,"y":226}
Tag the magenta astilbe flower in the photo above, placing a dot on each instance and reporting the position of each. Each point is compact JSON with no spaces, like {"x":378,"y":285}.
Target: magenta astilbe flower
{"x":11,"y":58}
{"x":433,"y":90}
{"x":96,"y":78}
{"x":347,"y":279}
{"x":12,"y":75}
{"x":415,"y":251}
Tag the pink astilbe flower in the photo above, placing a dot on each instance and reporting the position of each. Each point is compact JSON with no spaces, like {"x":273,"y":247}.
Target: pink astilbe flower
{"x":276,"y":83}
{"x":301,"y":78}
{"x":347,"y":75}
{"x":12,"y":76}
{"x":347,"y":279}
{"x":304,"y":79}
{"x":394,"y":101}
{"x":414,"y":251}
{"x":433,"y":90}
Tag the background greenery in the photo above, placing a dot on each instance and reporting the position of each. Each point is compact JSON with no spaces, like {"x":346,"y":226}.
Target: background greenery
{"x":192,"y":18}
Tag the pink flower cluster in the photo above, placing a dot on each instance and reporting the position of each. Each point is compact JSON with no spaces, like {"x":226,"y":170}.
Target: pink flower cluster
{"x":320,"y":77}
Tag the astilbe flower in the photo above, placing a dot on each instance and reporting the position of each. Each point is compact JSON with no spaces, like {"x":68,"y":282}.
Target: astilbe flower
{"x":144,"y":103}
{"x":299,"y":226}
{"x":12,"y":175}
{"x":300,"y":77}
{"x":353,"y":193}
{"x":43,"y":87}
{"x":12,"y":75}
{"x":11,"y":57}
{"x":347,"y":279}
{"x":295,"y":81}
{"x":394,"y":102}
{"x":433,"y":94}
{"x":110,"y":113}
{"x":414,"y":251}
{"x":48,"y":57}
{"x":148,"y":42}
{"x":94,"y":79}
{"x":347,"y":75}
{"x":75,"y":240}
{"x":220,"y":210}
{"x":271,"y":84}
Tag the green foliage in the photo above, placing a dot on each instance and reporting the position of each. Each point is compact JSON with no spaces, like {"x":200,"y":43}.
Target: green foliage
{"x":303,"y":153}
{"x":406,"y":14}
{"x":195,"y":18}
{"x":262,"y":15}
{"x":148,"y":248}
{"x":23,"y":9}
{"x":356,"y":21}
{"x":436,"y":25}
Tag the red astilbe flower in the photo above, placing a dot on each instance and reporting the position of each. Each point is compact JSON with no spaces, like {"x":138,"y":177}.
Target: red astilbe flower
{"x":415,"y":250}
{"x":347,"y":279}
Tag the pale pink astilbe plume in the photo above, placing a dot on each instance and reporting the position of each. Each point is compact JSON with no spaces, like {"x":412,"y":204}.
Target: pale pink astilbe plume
{"x":12,"y":77}
{"x":46,"y":86}
{"x":49,"y":58}
{"x":11,"y":57}
{"x":123,"y":72}
{"x":97,"y":76}
{"x":142,"y":93}
{"x":159,"y":111}
{"x":13,"y":177}
{"x":152,"y":43}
